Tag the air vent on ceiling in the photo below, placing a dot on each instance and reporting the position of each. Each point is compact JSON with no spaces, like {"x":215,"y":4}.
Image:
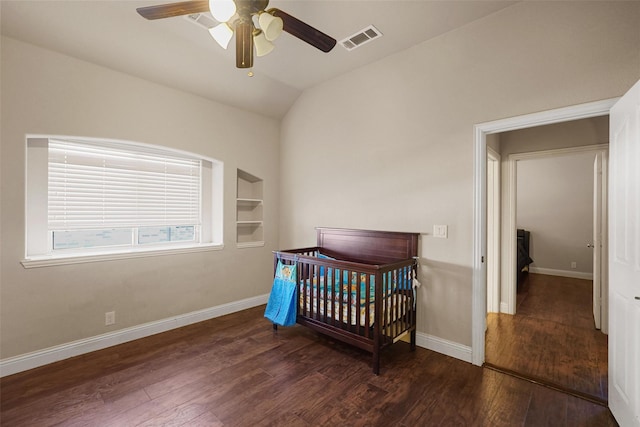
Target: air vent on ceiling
{"x":363,"y":36}
{"x":202,"y":19}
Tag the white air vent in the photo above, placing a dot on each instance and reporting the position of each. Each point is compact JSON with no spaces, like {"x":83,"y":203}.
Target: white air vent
{"x":204,"y":20}
{"x":363,"y":36}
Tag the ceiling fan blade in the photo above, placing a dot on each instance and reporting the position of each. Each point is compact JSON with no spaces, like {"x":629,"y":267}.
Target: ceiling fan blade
{"x":174,"y":9}
{"x":244,"y":44}
{"x":304,"y":31}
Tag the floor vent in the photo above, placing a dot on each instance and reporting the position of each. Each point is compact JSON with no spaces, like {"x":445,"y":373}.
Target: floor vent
{"x":360,"y":38}
{"x":204,"y":20}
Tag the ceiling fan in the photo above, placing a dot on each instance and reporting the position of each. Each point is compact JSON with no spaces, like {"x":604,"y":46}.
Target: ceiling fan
{"x":252,"y":23}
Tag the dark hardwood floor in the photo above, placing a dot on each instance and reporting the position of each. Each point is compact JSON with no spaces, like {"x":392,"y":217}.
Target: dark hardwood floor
{"x":552,"y":337}
{"x":236,"y":371}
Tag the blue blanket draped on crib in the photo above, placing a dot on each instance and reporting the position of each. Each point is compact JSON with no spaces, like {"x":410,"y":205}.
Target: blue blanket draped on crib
{"x":282,"y":306}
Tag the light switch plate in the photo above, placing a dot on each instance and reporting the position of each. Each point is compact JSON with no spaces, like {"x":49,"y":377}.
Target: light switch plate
{"x":440,"y":231}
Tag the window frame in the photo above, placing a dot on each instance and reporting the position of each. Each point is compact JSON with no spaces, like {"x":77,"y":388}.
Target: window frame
{"x":38,"y":243}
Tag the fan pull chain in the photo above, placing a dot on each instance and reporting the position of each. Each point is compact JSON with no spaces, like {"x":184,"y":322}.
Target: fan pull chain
{"x":250,"y":73}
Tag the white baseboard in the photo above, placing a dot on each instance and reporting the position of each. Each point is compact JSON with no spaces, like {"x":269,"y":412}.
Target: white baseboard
{"x":13,"y":365}
{"x":561,"y":273}
{"x":504,"y":308}
{"x":38,"y":358}
{"x":439,"y":345}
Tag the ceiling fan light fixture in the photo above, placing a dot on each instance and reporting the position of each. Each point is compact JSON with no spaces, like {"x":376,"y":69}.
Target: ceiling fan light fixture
{"x":270,"y":25}
{"x":243,"y":19}
{"x":263,"y":46}
{"x":222,"y":34}
{"x":222,"y":10}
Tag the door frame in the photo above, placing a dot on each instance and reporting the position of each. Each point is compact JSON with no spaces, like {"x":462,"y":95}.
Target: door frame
{"x":601,"y":242}
{"x":481,"y":130}
{"x":508,"y":302}
{"x":494,"y":166}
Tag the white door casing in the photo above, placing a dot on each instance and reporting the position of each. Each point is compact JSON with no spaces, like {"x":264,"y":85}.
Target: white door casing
{"x":599,"y":243}
{"x":596,"y":245}
{"x":604,"y":253}
{"x":624,"y":259}
{"x":493,"y":231}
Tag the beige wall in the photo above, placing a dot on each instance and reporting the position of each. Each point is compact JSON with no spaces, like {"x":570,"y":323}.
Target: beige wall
{"x":390,"y":146}
{"x":575,"y":133}
{"x":555,"y":203}
{"x":47,"y":93}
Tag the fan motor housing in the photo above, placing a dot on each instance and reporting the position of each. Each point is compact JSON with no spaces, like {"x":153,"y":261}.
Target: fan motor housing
{"x":249,"y":7}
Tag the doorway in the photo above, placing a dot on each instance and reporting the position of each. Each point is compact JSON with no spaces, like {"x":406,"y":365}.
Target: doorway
{"x":549,"y":337}
{"x":481,"y":131}
{"x":564,"y":238}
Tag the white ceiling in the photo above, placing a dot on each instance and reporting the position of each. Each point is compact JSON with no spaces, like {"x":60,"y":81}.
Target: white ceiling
{"x":181,"y":54}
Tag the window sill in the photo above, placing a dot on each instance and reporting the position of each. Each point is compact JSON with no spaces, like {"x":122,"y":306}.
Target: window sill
{"x":50,"y":260}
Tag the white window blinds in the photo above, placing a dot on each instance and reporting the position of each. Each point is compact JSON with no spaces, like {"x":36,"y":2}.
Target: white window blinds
{"x":109,"y":186}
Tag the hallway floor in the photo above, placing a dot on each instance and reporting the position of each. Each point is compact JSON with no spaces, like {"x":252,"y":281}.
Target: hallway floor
{"x":552,"y":338}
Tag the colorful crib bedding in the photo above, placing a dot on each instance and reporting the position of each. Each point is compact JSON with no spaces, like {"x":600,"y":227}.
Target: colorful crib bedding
{"x":356,"y":303}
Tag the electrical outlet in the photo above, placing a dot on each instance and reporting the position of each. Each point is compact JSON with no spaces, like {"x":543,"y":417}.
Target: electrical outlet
{"x":574,"y":264}
{"x":109,"y":318}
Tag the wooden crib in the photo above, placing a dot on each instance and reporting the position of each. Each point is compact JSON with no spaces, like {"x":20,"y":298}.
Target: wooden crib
{"x":357,"y":286}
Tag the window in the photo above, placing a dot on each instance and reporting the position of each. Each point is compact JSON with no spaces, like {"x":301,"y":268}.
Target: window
{"x":88,"y":198}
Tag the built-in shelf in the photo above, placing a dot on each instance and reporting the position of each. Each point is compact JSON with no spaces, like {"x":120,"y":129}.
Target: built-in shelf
{"x":250,"y":244}
{"x":249,"y":203}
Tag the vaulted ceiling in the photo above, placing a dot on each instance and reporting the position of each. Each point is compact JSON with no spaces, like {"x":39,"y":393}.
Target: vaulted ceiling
{"x":181,"y":54}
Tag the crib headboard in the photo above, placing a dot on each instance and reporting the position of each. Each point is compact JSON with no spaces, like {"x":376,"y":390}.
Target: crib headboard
{"x":368,"y":246}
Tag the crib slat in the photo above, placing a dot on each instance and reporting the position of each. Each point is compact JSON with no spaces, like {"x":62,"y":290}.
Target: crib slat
{"x":319,"y":297}
{"x":393,"y":305}
{"x":410,"y":297}
{"x":396,"y":306}
{"x":346,"y":292}
{"x":308,"y":288}
{"x":398,"y":302}
{"x":356,"y":306}
{"x":338,"y":297}
{"x":303,"y":279}
{"x":367,"y":304}
{"x":402,"y":301}
{"x":387,"y":303}
{"x":389,"y":317}
{"x":380,"y":295}
{"x":325,"y":297}
{"x":377,"y":326}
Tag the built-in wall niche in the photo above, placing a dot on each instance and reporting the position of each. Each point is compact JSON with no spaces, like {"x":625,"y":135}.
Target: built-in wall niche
{"x":249,"y":210}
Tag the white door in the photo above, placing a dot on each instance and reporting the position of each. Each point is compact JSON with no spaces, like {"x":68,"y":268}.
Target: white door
{"x":624,"y":259}
{"x":597,"y":241}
